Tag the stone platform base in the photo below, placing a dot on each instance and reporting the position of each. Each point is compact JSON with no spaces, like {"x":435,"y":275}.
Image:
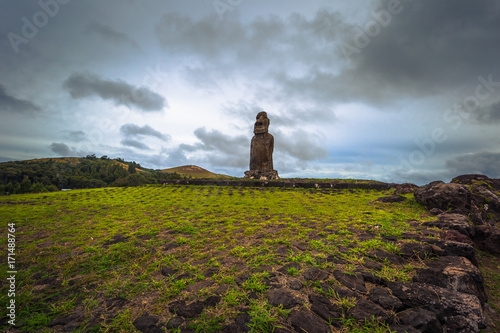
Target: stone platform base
{"x":262,"y":174}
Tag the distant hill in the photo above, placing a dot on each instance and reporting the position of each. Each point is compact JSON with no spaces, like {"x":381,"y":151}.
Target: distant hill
{"x":193,"y":171}
{"x":52,"y":174}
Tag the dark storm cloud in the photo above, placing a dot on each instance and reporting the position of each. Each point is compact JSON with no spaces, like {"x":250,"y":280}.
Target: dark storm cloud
{"x":265,"y":41}
{"x":134,"y":144}
{"x":109,"y":34}
{"x":134,"y":130}
{"x":489,"y":115}
{"x":84,"y":85}
{"x":217,"y":149}
{"x":427,"y":48}
{"x":487,"y":163}
{"x":300,"y":145}
{"x":63,"y":150}
{"x":10,"y":103}
{"x":76,"y":136}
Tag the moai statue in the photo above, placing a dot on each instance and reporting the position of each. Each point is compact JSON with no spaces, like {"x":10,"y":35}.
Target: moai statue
{"x":261,"y":151}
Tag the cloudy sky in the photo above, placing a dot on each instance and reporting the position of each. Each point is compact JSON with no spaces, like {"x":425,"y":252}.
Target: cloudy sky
{"x":403,"y":91}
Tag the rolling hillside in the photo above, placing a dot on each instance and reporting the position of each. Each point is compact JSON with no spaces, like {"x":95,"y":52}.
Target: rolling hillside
{"x":193,"y":171}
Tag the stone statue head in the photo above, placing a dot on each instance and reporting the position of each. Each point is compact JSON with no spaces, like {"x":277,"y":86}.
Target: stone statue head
{"x":261,"y":124}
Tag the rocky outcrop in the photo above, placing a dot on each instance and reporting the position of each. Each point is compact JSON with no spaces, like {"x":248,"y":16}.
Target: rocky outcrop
{"x":475,"y":196}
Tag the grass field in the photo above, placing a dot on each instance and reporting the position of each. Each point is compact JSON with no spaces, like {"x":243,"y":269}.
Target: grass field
{"x":107,"y":256}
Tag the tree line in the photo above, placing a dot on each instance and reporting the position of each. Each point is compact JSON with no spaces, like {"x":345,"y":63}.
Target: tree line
{"x":48,"y":175}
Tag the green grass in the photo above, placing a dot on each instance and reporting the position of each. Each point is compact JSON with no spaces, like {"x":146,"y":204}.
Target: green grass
{"x":72,"y":238}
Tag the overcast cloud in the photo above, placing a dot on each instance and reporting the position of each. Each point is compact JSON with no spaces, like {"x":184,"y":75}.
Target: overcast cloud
{"x":84,"y":85}
{"x":403,"y":91}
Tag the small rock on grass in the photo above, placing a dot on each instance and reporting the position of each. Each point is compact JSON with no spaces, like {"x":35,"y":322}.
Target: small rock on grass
{"x":304,"y":321}
{"x":282,"y":297}
{"x":147,"y":324}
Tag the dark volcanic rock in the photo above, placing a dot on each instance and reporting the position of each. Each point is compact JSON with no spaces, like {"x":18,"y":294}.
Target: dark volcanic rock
{"x":175,"y":323}
{"x":395,"y":328}
{"x":147,"y":324}
{"x":351,"y":281}
{"x":187,"y":310}
{"x":391,"y":199}
{"x":119,"y":238}
{"x":487,"y":238}
{"x":305,"y":322}
{"x":443,"y":302}
{"x":315,"y":274}
{"x":444,"y":196}
{"x":282,"y":297}
{"x":472,"y":195}
{"x":385,"y":299}
{"x":405,"y":188}
{"x":324,"y":308}
{"x":455,"y":236}
{"x":423,"y":320}
{"x":62,"y":320}
{"x":168,"y":271}
{"x":458,"y":249}
{"x":456,"y":222}
{"x":415,"y":250}
{"x":365,"y":310}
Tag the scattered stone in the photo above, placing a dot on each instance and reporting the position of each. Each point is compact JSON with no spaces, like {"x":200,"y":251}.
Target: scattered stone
{"x":316,"y":274}
{"x":422,"y":320}
{"x":455,"y":273}
{"x":351,"y":281}
{"x":436,"y":211}
{"x":211,"y":301}
{"x":287,"y":266}
{"x":444,"y":196}
{"x":187,"y":311}
{"x":211,"y":272}
{"x":341,"y":291}
{"x":443,"y":302}
{"x":199,"y":286}
{"x":119,"y":238}
{"x":405,"y":188}
{"x":325,"y":309}
{"x":455,"y":236}
{"x":487,"y":239}
{"x":370,"y":264}
{"x":306,"y":322}
{"x":391,"y":199}
{"x":170,"y":246}
{"x":458,"y":249}
{"x":452,"y":221}
{"x":175,"y":323}
{"x":282,"y":297}
{"x":403,"y":329}
{"x":295,"y":284}
{"x":147,"y":324}
{"x":382,"y":256}
{"x":415,"y":250}
{"x":385,"y":299}
{"x":460,"y":324}
{"x":372,"y":278}
{"x":365,"y":310}
{"x":62,"y":320}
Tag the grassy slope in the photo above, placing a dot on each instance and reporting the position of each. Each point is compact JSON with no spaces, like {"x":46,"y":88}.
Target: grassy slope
{"x":194,"y":171}
{"x":64,"y":239}
{"x":70,"y":160}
